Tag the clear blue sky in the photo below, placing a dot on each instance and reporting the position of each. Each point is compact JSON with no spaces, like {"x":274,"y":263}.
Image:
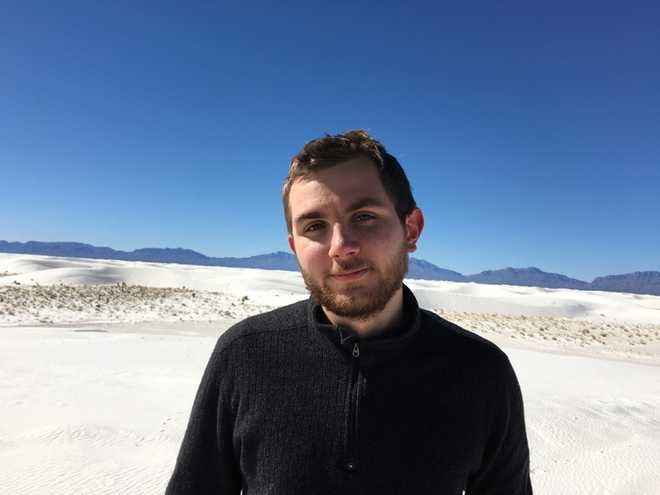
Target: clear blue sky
{"x":531,"y":135}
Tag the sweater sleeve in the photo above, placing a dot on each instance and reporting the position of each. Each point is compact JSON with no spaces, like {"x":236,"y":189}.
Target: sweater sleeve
{"x":206,"y":463}
{"x":505,"y":464}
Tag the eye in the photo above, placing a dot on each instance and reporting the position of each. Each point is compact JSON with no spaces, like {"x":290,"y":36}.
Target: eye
{"x":363,"y":217}
{"x":313,"y":227}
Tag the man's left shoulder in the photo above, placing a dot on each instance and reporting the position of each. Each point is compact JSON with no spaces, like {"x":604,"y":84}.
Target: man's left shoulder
{"x":450,"y":339}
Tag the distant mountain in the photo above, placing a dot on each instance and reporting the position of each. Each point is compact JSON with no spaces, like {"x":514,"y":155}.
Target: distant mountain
{"x":80,"y":250}
{"x":272,"y":261}
{"x":638,"y":282}
{"x":166,"y":255}
{"x":67,"y":249}
{"x":422,"y":269}
{"x":531,"y":276}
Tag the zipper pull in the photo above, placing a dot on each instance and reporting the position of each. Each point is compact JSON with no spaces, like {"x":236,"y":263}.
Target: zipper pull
{"x":356,"y":351}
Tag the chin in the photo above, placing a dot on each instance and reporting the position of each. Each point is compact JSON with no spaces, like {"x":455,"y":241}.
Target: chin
{"x":354,"y":289}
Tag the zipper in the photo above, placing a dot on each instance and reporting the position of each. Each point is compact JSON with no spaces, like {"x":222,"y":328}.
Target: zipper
{"x":354,"y":402}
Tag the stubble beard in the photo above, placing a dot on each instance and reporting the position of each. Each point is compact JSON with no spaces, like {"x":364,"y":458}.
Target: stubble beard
{"x":356,"y":304}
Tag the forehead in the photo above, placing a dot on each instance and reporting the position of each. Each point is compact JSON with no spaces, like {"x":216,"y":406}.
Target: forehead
{"x":337,"y":187}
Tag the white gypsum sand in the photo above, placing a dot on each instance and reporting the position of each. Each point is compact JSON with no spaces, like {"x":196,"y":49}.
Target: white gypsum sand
{"x":49,"y":290}
{"x":100,"y":361}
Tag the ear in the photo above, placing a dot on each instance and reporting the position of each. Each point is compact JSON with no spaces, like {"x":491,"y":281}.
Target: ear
{"x":414,"y":227}
{"x":292,"y":244}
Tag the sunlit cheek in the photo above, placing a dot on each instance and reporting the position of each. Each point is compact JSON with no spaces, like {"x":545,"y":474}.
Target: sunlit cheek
{"x":310,"y":251}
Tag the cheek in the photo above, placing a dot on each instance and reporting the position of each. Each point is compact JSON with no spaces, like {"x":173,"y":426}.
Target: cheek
{"x":383,"y":234}
{"x":310,"y":254}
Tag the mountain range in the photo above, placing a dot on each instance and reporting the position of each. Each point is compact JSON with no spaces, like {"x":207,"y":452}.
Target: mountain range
{"x":647,"y":282}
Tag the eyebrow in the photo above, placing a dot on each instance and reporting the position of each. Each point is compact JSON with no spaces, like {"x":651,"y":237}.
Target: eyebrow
{"x":368,"y":202}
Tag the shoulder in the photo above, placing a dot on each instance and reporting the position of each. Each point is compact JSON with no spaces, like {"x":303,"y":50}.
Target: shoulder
{"x":463,"y":346}
{"x":479,"y":367}
{"x":271,"y":324}
{"x":252,"y":343}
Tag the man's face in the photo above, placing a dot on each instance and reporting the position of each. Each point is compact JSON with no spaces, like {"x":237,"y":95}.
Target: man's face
{"x":351,"y":246}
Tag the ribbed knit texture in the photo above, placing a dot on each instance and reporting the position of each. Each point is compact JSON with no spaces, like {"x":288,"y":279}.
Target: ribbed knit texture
{"x":285,"y":407}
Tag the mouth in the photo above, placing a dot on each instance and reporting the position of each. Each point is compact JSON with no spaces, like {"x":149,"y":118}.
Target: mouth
{"x":349,"y":275}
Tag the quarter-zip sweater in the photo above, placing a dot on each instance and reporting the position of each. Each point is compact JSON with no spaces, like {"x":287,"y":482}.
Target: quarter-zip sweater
{"x":290,"y":404}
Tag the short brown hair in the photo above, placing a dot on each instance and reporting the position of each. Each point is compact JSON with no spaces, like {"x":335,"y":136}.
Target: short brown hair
{"x":329,"y":151}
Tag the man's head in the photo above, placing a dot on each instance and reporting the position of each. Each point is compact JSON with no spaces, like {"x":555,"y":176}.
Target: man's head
{"x":329,"y":151}
{"x":352,"y":221}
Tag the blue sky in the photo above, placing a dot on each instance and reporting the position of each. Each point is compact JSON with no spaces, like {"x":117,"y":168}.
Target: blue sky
{"x":530,"y":134}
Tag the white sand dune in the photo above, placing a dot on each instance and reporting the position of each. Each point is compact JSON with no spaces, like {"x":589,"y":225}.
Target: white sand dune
{"x":49,"y":290}
{"x":538,"y":301}
{"x":100,"y":361}
{"x":264,"y":284}
{"x":85,"y":411}
{"x":45,"y":270}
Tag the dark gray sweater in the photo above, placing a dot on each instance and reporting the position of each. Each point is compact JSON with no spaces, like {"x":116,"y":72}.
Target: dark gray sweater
{"x":290,"y":404}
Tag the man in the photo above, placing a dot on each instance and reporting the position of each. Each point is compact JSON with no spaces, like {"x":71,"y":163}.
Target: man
{"x":356,"y":390}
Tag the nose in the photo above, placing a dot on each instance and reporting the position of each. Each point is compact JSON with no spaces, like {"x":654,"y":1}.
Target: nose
{"x":342,"y":244}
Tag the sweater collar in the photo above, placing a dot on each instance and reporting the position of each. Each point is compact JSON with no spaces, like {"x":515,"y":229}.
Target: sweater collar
{"x":373,"y":349}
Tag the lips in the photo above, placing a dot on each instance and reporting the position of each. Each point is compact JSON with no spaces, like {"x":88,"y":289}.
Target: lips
{"x":350,"y":274}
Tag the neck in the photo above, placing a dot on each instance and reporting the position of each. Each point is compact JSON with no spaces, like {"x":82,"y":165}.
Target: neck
{"x":390,"y":316}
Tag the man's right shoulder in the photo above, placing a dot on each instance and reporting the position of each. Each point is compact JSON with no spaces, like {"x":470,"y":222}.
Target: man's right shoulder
{"x":271,"y":323}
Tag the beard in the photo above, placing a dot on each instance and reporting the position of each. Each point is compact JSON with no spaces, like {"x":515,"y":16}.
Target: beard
{"x":356,"y":301}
